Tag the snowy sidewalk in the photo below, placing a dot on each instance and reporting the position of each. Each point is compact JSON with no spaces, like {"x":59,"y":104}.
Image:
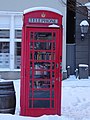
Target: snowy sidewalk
{"x":44,"y":117}
{"x":76,"y":98}
{"x":75,"y":102}
{"x":73,"y":82}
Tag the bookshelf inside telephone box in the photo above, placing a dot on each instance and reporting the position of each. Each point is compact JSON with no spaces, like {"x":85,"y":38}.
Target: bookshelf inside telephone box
{"x":41,"y":62}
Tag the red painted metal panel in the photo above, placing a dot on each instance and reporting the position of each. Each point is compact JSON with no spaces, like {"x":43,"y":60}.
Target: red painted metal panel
{"x":38,"y":14}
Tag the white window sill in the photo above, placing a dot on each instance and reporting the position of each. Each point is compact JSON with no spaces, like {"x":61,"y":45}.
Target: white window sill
{"x":7,"y":69}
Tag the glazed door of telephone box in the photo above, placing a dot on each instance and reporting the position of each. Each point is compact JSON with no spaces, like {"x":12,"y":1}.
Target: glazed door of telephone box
{"x":43,"y":77}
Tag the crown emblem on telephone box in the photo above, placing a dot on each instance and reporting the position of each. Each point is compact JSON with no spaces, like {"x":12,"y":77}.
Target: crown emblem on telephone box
{"x":43,"y":15}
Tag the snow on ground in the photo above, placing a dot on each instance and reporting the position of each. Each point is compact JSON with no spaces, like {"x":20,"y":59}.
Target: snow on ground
{"x":75,"y":102}
{"x":76,"y":98}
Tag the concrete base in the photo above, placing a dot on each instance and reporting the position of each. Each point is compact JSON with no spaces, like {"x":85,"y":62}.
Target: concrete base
{"x":10,"y":75}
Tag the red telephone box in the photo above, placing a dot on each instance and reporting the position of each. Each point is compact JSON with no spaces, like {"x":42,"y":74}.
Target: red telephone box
{"x":41,"y":62}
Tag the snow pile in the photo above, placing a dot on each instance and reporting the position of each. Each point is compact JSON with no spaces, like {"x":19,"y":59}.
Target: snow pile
{"x":84,"y":23}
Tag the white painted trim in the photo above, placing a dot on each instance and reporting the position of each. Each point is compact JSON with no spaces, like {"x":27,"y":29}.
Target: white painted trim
{"x":42,"y":8}
{"x":18,"y":27}
{"x":11,"y":13}
{"x":17,"y":70}
{"x":7,"y":69}
{"x":5,"y":28}
{"x":4,"y":40}
{"x":17,"y":40}
{"x":4,"y":69}
{"x":12,"y":44}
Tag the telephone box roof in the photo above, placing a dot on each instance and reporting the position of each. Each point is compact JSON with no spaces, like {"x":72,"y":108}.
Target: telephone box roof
{"x":42,"y":8}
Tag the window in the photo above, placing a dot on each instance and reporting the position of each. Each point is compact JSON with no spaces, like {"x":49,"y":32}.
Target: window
{"x":4,"y":54}
{"x":17,"y":55}
{"x":43,"y":36}
{"x":4,"y":33}
{"x":4,"y":47}
{"x":18,"y":34}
